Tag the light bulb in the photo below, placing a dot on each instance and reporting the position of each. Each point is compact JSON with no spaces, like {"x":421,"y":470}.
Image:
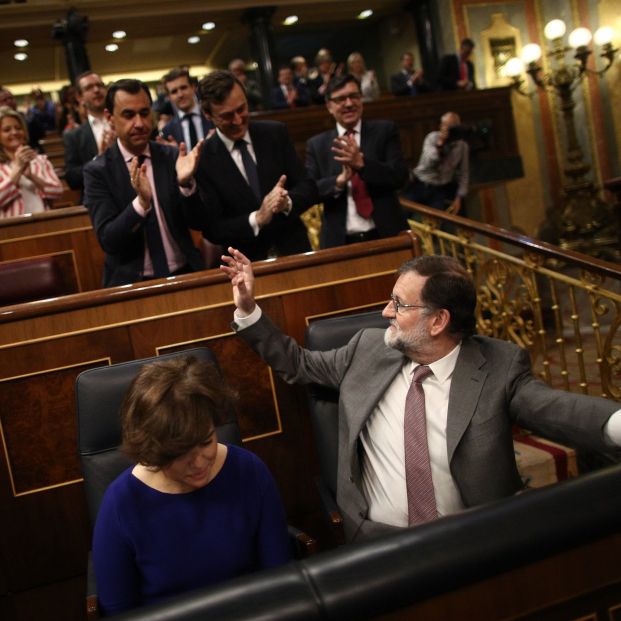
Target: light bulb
{"x":513,"y":67}
{"x":554,"y":29}
{"x":603,"y":35}
{"x":112,"y":47}
{"x":531,"y":53}
{"x":580,"y":37}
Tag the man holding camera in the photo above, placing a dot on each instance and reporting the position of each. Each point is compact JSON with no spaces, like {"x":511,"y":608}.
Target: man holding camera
{"x":442,"y":174}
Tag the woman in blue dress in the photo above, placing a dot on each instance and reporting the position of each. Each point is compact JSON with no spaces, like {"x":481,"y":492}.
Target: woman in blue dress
{"x":192,"y":512}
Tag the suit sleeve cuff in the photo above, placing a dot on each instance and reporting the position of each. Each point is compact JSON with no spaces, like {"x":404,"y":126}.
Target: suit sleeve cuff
{"x":252,"y":221}
{"x":138,"y":208}
{"x":241,"y":322}
{"x":612,"y":429}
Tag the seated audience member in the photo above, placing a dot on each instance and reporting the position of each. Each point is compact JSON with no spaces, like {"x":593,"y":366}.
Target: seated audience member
{"x":139,"y":195}
{"x":426,"y":406}
{"x":358,"y":168}
{"x":320,"y":75}
{"x":368,"y":81}
{"x":253,"y":185}
{"x":299,"y":66}
{"x":456,"y":70}
{"x":93,"y":136}
{"x":408,"y":81}
{"x":35,"y":129}
{"x":192,"y":512}
{"x":287,"y":94}
{"x":253,"y":91}
{"x":43,"y":109}
{"x":188,"y":124}
{"x":69,"y":117}
{"x":27,"y":179}
{"x":442,"y":174}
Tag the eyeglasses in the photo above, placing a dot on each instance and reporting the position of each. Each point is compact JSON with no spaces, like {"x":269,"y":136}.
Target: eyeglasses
{"x":343,"y":98}
{"x":400,"y":305}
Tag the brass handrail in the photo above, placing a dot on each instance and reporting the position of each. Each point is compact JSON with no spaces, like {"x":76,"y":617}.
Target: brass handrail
{"x":561,"y":305}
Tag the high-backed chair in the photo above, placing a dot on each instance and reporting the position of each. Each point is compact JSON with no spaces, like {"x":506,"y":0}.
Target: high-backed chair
{"x":325,"y":334}
{"x":99,"y":395}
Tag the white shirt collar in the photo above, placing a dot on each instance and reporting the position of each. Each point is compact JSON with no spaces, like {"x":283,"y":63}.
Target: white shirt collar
{"x":443,"y":368}
{"x":195,"y":110}
{"x":230,"y":144}
{"x":340,"y":130}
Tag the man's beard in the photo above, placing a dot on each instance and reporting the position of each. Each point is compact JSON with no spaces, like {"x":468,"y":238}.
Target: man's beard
{"x":407,"y":342}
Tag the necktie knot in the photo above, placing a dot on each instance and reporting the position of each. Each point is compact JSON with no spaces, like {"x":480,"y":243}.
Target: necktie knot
{"x":188,"y":116}
{"x":141,"y":159}
{"x":240,"y":145}
{"x":421,"y":372}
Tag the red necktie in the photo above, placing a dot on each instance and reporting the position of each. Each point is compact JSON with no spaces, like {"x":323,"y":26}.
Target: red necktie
{"x":421,"y":496}
{"x":359,"y":192}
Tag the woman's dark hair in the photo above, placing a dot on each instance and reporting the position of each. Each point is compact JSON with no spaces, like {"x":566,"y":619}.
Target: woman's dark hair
{"x":215,"y":87}
{"x":448,"y":286}
{"x":171,"y":407}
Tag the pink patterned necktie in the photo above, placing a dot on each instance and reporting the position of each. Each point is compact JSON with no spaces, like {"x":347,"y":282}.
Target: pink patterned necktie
{"x":421,"y":497}
{"x":359,"y":191}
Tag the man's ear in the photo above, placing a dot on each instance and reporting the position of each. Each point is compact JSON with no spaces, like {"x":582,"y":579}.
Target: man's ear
{"x":441,"y":322}
{"x":108,"y":117}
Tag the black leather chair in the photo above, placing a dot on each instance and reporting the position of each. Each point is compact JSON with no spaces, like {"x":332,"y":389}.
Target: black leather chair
{"x":323,"y":335}
{"x":99,"y":395}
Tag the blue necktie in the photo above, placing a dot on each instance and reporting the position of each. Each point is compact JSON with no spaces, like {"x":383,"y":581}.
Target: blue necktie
{"x":251,"y":169}
{"x":154,"y":238}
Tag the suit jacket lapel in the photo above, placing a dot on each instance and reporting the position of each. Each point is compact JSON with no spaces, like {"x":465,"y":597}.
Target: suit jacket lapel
{"x":334,"y":166}
{"x":88,"y":138}
{"x":372,"y":389}
{"x":121,"y":174}
{"x":466,"y":385}
{"x":225,"y":168}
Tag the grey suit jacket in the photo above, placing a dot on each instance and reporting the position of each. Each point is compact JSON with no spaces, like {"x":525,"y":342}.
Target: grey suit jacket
{"x":384,"y":172}
{"x":492,"y":388}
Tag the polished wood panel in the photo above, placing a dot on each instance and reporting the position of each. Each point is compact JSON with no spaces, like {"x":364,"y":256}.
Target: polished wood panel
{"x":44,"y":530}
{"x":66,"y":230}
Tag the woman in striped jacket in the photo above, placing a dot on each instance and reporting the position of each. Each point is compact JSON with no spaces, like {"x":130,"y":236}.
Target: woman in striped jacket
{"x":27,"y":179}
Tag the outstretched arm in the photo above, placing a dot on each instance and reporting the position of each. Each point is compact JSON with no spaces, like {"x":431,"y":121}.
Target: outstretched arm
{"x":239,"y":269}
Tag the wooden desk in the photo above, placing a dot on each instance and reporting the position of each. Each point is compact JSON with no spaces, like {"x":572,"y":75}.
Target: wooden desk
{"x":44,"y":530}
{"x":61,"y":231}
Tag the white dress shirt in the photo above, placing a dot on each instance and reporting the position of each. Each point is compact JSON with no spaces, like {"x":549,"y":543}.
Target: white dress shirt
{"x":196,"y":119}
{"x":354,"y":222}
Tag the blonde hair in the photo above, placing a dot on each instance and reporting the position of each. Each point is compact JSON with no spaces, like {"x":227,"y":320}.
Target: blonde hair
{"x":5,"y":112}
{"x":353,"y":56}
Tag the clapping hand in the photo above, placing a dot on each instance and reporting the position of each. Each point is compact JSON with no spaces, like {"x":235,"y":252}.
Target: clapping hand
{"x":276,"y":201}
{"x":187,"y":162}
{"x":347,"y":152}
{"x":140,"y":183}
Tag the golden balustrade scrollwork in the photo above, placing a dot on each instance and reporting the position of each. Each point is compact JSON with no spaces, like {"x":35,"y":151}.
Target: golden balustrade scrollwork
{"x":564,"y":307}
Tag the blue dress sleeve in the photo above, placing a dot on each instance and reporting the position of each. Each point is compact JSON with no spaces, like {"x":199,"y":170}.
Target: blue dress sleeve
{"x":116,"y":572}
{"x":273,"y":546}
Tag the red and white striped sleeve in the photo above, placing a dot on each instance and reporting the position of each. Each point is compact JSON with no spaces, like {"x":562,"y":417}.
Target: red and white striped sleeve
{"x":8,"y":190}
{"x":53,"y":187}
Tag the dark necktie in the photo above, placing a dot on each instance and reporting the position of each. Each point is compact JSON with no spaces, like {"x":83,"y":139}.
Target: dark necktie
{"x":154,"y":238}
{"x":359,"y":191}
{"x":193,"y":137}
{"x":250,"y":167}
{"x":421,"y":496}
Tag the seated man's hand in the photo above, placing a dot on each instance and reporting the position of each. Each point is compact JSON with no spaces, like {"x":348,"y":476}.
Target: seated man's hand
{"x":187,"y":163}
{"x":455,"y":206}
{"x":239,"y":269}
{"x":347,"y":152}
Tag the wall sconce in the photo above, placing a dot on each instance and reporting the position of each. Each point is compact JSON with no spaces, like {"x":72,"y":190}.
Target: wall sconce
{"x":583,"y":223}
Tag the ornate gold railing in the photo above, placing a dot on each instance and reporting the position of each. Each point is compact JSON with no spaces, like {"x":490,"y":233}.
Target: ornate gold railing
{"x":564,"y":307}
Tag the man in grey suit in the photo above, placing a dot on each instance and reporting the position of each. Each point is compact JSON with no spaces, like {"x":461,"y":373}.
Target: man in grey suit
{"x":476,"y":389}
{"x":93,"y":136}
{"x":358,"y":168}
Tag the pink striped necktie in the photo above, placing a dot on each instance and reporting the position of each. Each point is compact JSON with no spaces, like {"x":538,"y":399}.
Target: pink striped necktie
{"x":421,"y":496}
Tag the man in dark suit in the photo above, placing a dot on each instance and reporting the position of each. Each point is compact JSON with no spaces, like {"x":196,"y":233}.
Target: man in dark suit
{"x":426,"y":407}
{"x":408,"y":81}
{"x":189,"y":124}
{"x":358,"y":168}
{"x":139,"y":195}
{"x":251,"y":181}
{"x":287,"y":94}
{"x":93,"y":136}
{"x":456,"y":70}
